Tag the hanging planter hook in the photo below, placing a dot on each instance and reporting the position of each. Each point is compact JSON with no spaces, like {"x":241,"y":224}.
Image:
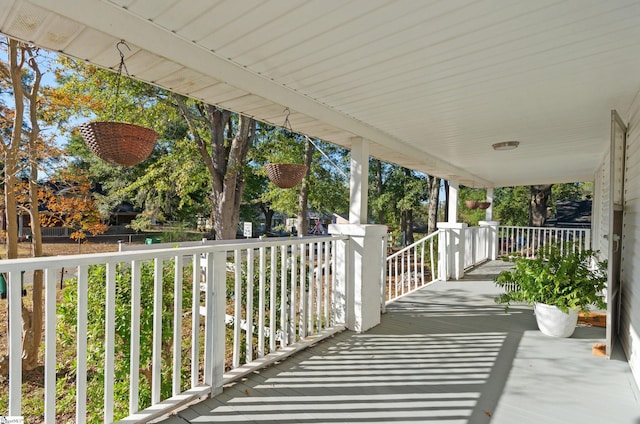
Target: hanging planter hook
{"x":121,"y":66}
{"x":122,"y":43}
{"x":287,"y":125}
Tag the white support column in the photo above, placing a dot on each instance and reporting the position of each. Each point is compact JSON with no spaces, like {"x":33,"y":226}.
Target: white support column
{"x":492,"y":239}
{"x":215,"y":329}
{"x":489,"y":211}
{"x":443,"y":255}
{"x":454,"y":241}
{"x":454,"y":187}
{"x":359,"y":183}
{"x":363,"y":257}
{"x":339,"y":292}
{"x":218,"y":316}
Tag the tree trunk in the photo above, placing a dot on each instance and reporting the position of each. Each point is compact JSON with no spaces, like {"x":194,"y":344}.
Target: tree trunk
{"x":539,"y":200}
{"x":434,"y":197}
{"x":303,"y":194}
{"x":225,"y":161}
{"x":446,"y":201}
{"x":32,"y":334}
{"x":228,"y":194}
{"x":11,"y":151}
{"x":31,"y":320}
{"x":268,"y":217}
{"x":11,"y":207}
{"x":379,"y":189}
{"x":408,"y":239}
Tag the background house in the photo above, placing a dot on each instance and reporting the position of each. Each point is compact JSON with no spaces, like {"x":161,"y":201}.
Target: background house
{"x":571,"y":214}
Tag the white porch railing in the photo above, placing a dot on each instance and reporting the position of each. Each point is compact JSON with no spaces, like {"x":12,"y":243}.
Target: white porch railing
{"x":281,"y":294}
{"x":455,"y":248}
{"x":476,"y":250}
{"x":227,"y":308}
{"x":413,"y":267}
{"x":526,"y":241}
{"x":438,"y":256}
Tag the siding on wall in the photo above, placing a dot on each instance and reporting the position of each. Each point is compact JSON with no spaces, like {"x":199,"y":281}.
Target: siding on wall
{"x":630,"y":275}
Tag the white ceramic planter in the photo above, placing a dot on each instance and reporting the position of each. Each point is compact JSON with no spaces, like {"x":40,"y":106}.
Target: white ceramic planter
{"x":553,"y":322}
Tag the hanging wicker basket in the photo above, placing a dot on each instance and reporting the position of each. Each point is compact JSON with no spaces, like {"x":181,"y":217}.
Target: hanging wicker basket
{"x":285,"y":175}
{"x":471,"y":204}
{"x":119,"y":143}
{"x":484,"y":205}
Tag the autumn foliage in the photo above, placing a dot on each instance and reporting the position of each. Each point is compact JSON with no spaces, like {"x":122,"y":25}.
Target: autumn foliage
{"x":68,"y":201}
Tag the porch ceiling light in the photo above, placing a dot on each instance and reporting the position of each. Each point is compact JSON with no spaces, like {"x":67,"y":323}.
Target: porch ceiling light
{"x":505,"y":145}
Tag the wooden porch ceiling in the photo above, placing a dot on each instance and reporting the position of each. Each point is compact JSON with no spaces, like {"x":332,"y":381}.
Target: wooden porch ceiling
{"x":432,"y":84}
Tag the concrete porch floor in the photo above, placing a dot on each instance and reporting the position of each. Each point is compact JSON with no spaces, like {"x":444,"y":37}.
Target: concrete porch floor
{"x":445,"y":354}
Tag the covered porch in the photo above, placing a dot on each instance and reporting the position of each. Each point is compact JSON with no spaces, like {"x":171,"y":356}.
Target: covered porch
{"x":447,"y":354}
{"x":417,"y":323}
{"x":434,"y":87}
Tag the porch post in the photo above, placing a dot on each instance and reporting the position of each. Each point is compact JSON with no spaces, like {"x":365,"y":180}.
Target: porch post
{"x":339,"y":295}
{"x":492,"y":239}
{"x":443,"y":254}
{"x":215,"y":329}
{"x":454,"y":187}
{"x":454,"y":245}
{"x":364,"y":254}
{"x":489,"y":211}
{"x":358,"y":186}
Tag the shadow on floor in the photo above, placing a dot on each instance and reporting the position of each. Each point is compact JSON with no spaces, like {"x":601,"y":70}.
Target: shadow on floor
{"x":432,"y":359}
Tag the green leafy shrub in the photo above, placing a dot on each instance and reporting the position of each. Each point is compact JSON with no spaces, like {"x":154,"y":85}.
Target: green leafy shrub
{"x":559,"y":275}
{"x":96,"y":299}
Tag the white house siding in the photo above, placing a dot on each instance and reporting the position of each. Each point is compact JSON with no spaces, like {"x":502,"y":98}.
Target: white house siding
{"x":630,"y":275}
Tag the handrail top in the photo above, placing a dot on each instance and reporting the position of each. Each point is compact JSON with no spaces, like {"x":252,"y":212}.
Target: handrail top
{"x":64,"y":261}
{"x":414,"y":244}
{"x":545,"y":228}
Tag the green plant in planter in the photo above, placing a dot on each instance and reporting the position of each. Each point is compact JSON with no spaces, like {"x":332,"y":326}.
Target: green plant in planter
{"x":558,"y":276}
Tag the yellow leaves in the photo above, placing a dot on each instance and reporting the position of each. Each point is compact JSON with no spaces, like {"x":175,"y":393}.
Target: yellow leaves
{"x":4,"y":71}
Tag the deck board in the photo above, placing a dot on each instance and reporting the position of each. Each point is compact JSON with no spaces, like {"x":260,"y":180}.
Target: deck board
{"x":445,"y":354}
